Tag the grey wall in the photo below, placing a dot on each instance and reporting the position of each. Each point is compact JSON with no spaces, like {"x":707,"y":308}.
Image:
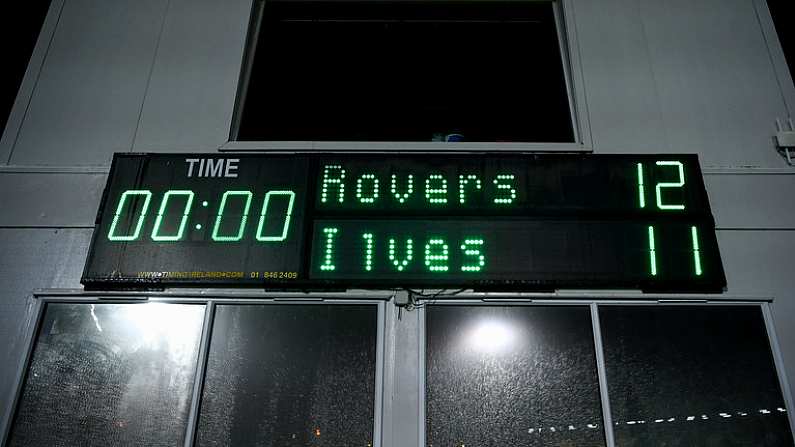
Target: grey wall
{"x":155,"y":75}
{"x":705,"y":77}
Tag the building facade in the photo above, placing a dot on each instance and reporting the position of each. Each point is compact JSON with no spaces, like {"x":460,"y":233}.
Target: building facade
{"x":642,"y":77}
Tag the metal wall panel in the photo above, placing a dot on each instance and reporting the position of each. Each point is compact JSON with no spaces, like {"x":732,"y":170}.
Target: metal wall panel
{"x":760,"y":263}
{"x":29,"y":81}
{"x":717,"y":87}
{"x":776,"y":53}
{"x":619,"y":82}
{"x":190,"y":100}
{"x":50,"y":199}
{"x":90,"y":91}
{"x":30,"y":259}
{"x":680,"y":76}
{"x":742,"y":201}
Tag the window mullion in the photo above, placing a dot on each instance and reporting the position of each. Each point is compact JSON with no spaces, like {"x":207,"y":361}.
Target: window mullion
{"x":607,"y":417}
{"x":198,"y":378}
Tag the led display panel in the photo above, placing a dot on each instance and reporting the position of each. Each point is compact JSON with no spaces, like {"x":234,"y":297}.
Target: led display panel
{"x":337,"y":221}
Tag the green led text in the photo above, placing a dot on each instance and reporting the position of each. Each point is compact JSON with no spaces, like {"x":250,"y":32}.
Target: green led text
{"x":147,"y":195}
{"x":156,"y":236}
{"x":402,"y":189}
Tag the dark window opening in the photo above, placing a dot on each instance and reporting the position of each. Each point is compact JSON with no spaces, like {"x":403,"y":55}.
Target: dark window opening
{"x":782,"y":12}
{"x":407,"y":71}
{"x":20,"y":24}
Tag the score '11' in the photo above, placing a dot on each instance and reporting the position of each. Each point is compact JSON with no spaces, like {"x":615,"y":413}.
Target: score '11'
{"x":658,"y":194}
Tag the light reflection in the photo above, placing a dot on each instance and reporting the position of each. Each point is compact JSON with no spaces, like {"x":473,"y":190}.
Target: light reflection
{"x":161,"y":325}
{"x":492,"y":336}
{"x":96,"y":320}
{"x":703,"y":417}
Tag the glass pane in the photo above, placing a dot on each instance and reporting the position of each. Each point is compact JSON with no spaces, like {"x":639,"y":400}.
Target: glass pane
{"x":510,"y":376}
{"x":288,"y":375}
{"x":110,"y":374}
{"x":692,"y":376}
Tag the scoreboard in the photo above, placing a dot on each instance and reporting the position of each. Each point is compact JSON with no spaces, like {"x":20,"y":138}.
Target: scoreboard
{"x":337,"y":221}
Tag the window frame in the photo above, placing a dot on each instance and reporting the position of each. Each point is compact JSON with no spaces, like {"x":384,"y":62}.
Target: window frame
{"x":573,"y":78}
{"x":209,"y":298}
{"x":388,"y":338}
{"x":595,"y":302}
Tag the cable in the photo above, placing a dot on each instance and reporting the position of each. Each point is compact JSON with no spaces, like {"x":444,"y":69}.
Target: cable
{"x":429,"y":298}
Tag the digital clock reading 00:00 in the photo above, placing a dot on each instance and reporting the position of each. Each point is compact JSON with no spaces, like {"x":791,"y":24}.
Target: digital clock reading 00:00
{"x":527,"y":222}
{"x":229,"y":224}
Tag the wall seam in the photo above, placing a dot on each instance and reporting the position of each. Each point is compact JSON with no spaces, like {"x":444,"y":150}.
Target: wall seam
{"x":718,"y":228}
{"x":779,"y":84}
{"x":35,"y":84}
{"x":149,"y":76}
{"x":657,"y":96}
{"x":574,"y":41}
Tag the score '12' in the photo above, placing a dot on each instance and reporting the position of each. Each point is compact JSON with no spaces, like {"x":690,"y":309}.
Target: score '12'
{"x":658,"y":194}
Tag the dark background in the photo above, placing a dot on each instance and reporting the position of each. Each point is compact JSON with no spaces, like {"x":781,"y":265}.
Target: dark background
{"x":783,"y":12}
{"x":20,"y":23}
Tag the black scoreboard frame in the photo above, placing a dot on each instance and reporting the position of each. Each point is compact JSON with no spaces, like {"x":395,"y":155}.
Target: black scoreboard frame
{"x":309,"y":278}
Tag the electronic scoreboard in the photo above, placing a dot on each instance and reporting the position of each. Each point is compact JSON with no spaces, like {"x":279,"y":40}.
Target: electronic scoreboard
{"x":337,"y":221}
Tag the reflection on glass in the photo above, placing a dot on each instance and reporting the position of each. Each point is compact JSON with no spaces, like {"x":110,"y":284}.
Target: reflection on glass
{"x":110,"y":374}
{"x":491,"y":336}
{"x":692,"y":376}
{"x":511,"y":376}
{"x":290,"y":375}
